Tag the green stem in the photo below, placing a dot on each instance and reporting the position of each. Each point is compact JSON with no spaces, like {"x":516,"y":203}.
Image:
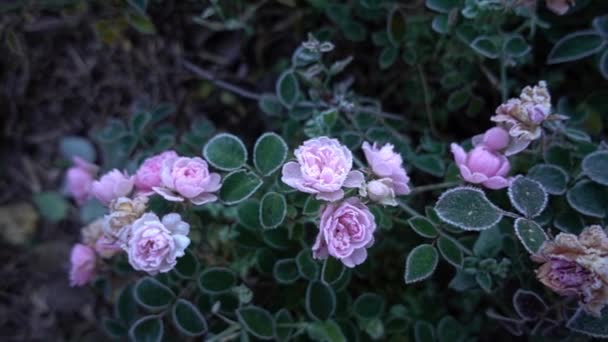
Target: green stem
{"x":220,"y":337}
{"x":427,"y":100}
{"x":431,"y":187}
{"x":503,"y":79}
{"x":408,"y":209}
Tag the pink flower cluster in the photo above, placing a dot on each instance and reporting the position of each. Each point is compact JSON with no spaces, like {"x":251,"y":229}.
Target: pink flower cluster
{"x":323,"y":167}
{"x":152,"y":244}
{"x":519,"y":123}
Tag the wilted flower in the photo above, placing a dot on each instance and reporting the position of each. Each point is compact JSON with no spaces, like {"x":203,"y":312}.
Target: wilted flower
{"x":123,"y":212}
{"x":188,"y":178}
{"x":91,"y":232}
{"x":148,"y":174}
{"x":577,"y":266}
{"x":112,"y":185}
{"x":154,"y":245}
{"x":482,"y":166}
{"x":386,"y":163}
{"x":524,"y":116}
{"x":323,"y":167}
{"x":82,"y":268}
{"x":346,"y":231}
{"x":79,"y":179}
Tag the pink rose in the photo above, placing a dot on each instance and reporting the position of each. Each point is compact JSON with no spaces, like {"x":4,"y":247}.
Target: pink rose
{"x":154,"y":245}
{"x":323,"y":167}
{"x":385,"y":163}
{"x":346,"y":230}
{"x":482,"y":166}
{"x":112,"y":185}
{"x":148,"y":174}
{"x":107,"y":246}
{"x":82,"y":261}
{"x":188,"y":178}
{"x":381,"y":191}
{"x":79,"y":179}
{"x":560,"y":7}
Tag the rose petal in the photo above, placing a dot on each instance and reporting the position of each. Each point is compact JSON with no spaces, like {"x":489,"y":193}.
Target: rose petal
{"x":354,"y":179}
{"x":331,"y":196}
{"x":168,"y":194}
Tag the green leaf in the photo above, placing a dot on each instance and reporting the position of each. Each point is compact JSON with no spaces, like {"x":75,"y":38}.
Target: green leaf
{"x":603,"y":64}
{"x":216,"y":280}
{"x":333,"y":270}
{"x":595,"y":166}
{"x":577,"y":135}
{"x":530,"y":234}
{"x":387,"y":57}
{"x":484,"y":280}
{"x":423,"y":226}
{"x":467,"y":208}
{"x":187,"y":319}
{"x":273,"y":209}
{"x":489,"y":243}
{"x":320,"y":301}
{"x":270,"y":105}
{"x":420,"y":263}
{"x":396,"y":26}
{"x":51,"y":205}
{"x":147,"y":329}
{"x":312,"y":206}
{"x":91,"y":210}
{"x":187,"y":266}
{"x":529,"y":305}
{"x":257,"y":321}
{"x":458,"y":98}
{"x":283,"y":333}
{"x":516,"y":46}
{"x":450,"y":251}
{"x":269,"y":153}
{"x":152,"y":294}
{"x":442,"y":6}
{"x":114,"y":328}
{"x":368,"y":306}
{"x":450,"y":330}
{"x":248,"y":213}
{"x":430,"y":163}
{"x":575,"y":46}
{"x":126,"y":306}
{"x":485,"y":46}
{"x":586,"y":324}
{"x":286,"y":271}
{"x":553,"y":178}
{"x":588,"y":198}
{"x":325,"y":331}
{"x":441,"y":24}
{"x":141,"y":23}
{"x":527,"y":196}
{"x":424,"y":332}
{"x":307,"y":266}
{"x":139,"y":121}
{"x":225,"y":152}
{"x":600,"y":24}
{"x":238,"y":186}
{"x":288,"y":88}
{"x":72,"y":146}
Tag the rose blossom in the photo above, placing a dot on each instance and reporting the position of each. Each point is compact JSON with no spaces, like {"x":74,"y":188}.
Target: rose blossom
{"x":79,"y":179}
{"x":154,"y":245}
{"x":345,"y":231}
{"x":577,"y":266}
{"x":112,"y":185}
{"x":188,"y":178}
{"x":560,"y":7}
{"x":386,"y":163}
{"x":381,"y":191}
{"x":123,"y":212}
{"x":82,"y":269}
{"x":322,"y":168}
{"x":148,"y":174}
{"x":482,"y":166}
{"x":91,"y":232}
{"x":107,"y":246}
